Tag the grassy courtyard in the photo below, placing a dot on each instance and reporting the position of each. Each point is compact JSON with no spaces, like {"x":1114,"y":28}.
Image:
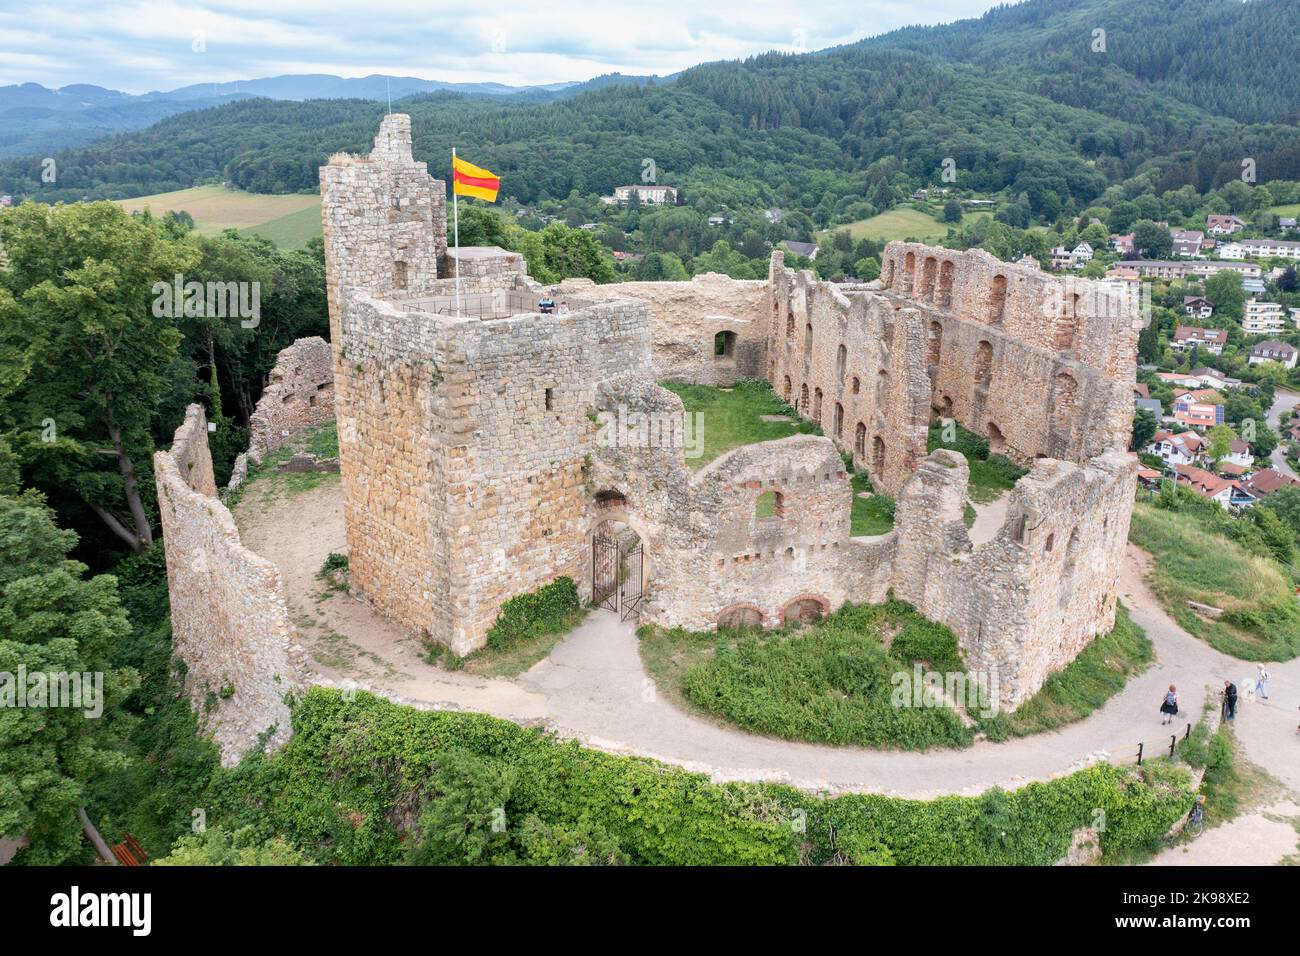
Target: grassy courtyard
{"x":836,"y":681}
{"x":732,"y":417}
{"x":991,"y":476}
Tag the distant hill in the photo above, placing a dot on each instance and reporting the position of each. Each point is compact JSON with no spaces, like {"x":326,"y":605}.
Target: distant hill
{"x":1016,"y":99}
{"x":37,"y":120}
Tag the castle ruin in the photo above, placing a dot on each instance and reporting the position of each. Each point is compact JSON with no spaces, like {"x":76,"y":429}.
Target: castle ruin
{"x":485,"y":447}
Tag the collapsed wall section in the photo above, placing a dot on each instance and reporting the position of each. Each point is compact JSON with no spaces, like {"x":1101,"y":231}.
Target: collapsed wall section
{"x":299,"y":395}
{"x":711,"y":330}
{"x":230,"y":622}
{"x":1024,"y":604}
{"x":759,"y":536}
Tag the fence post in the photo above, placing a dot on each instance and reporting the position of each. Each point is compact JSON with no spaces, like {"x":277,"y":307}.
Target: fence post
{"x":1173,"y":742}
{"x":1139,"y":755}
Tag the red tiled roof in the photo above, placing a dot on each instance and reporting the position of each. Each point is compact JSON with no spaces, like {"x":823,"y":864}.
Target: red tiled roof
{"x":1204,"y":483}
{"x":1266,"y":481}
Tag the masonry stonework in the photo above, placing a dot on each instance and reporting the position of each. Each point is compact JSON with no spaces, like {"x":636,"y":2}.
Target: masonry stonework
{"x":230,"y":622}
{"x":299,"y":395}
{"x":478,"y":460}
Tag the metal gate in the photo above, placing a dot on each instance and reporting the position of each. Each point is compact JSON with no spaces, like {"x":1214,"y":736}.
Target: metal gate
{"x":630,"y":583}
{"x":617,"y":576}
{"x":604,"y":572}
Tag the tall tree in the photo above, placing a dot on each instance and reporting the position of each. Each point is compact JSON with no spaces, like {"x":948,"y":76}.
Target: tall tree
{"x":86,"y":351}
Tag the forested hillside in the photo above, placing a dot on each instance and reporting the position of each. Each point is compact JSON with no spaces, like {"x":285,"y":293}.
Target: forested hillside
{"x":1016,"y":99}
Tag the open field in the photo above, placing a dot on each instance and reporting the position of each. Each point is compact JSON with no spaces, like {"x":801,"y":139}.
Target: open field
{"x":1292,"y":210}
{"x":289,"y":221}
{"x":904,"y":223}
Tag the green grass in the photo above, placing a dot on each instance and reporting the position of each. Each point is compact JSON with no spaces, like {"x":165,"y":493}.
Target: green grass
{"x":1099,"y":672}
{"x":830,"y":682}
{"x":991,"y":476}
{"x":731,"y":416}
{"x":1193,"y":562}
{"x":870,"y":516}
{"x":526,"y":629}
{"x":833,"y":682}
{"x":291,"y":231}
{"x":1291,"y":210}
{"x":264,"y":480}
{"x":905,"y":223}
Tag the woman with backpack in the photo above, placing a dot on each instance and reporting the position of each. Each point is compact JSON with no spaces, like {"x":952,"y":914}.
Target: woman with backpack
{"x":1170,"y":707}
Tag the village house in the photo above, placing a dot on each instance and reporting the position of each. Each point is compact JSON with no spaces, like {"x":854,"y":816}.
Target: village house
{"x":1260,"y":249}
{"x":1271,"y":350}
{"x":1239,"y":454}
{"x":1186,"y":242}
{"x":1082,"y":253}
{"x":1198,"y":306}
{"x":1184,"y":268}
{"x":1264,"y":482}
{"x":806,"y":249}
{"x":1286,"y":222}
{"x":1123,"y":244}
{"x":1226,"y":492}
{"x":647,"y":194}
{"x":1183,"y":448}
{"x":1189,"y":336}
{"x":1213,"y":378}
{"x":1223,"y":225}
{"x":1128,"y":277}
{"x":1063,"y":258}
{"x":1180,"y":379}
{"x":1262,"y":318}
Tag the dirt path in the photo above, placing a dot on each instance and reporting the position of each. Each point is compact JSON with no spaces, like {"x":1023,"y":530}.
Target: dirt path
{"x":1264,"y":837}
{"x":594,"y":687}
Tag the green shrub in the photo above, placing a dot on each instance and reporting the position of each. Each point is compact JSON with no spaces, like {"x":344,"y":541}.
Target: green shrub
{"x":370,"y":782}
{"x":548,"y":610}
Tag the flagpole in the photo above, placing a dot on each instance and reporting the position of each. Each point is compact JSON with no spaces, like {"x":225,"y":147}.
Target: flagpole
{"x":455,"y":212}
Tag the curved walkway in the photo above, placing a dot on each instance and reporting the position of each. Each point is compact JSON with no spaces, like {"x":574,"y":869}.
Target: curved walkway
{"x":593,"y":687}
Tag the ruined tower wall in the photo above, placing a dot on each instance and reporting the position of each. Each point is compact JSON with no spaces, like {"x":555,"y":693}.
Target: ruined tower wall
{"x":461,"y":486}
{"x":230,"y":623}
{"x":1041,"y":365}
{"x":854,"y":364}
{"x":517,"y":495}
{"x":685,"y":318}
{"x":1024,"y":604}
{"x":299,"y":394}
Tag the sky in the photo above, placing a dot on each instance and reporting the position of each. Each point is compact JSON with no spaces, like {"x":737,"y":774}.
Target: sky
{"x":164,"y":44}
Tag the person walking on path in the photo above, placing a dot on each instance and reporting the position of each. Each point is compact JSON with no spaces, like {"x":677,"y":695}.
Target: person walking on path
{"x":1170,"y":706}
{"x":1261,"y":682}
{"x":1229,"y":700}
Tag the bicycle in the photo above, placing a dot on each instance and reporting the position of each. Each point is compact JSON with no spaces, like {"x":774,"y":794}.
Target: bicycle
{"x":1196,"y":822}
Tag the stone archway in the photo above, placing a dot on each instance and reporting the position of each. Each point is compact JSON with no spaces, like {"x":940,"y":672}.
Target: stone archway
{"x":804,"y":609}
{"x":619,"y":567}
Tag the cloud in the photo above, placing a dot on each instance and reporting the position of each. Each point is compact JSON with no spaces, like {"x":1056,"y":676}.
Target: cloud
{"x":164,"y":44}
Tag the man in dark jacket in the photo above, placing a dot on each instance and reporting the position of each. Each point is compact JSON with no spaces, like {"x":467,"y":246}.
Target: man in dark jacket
{"x":1229,"y":700}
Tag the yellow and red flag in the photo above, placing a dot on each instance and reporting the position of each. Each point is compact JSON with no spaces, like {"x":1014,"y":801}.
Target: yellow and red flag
{"x":471,"y":180}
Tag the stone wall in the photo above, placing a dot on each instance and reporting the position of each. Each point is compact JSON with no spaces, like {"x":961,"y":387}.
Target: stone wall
{"x":299,"y":395}
{"x":463,"y":445}
{"x":477,"y":460}
{"x":709,"y":554}
{"x":687,"y":316}
{"x":230,"y":623}
{"x":1025,"y":603}
{"x":959,"y":335}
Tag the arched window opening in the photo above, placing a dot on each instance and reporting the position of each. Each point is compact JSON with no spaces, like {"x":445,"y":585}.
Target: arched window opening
{"x":724,"y":345}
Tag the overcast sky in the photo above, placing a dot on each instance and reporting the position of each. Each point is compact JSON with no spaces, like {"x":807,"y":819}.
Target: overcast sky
{"x":164,"y":44}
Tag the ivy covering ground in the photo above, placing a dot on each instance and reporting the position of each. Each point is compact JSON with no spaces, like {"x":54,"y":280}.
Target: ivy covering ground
{"x":370,"y":782}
